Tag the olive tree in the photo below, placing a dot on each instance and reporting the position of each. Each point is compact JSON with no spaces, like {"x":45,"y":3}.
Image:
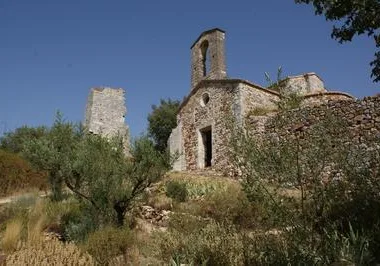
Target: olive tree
{"x":103,"y":177}
{"x":53,"y":152}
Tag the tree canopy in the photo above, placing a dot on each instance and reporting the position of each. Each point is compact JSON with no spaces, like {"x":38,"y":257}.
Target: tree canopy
{"x":96,"y":169}
{"x":161,"y":121}
{"x":14,"y":141}
{"x":357,"y":17}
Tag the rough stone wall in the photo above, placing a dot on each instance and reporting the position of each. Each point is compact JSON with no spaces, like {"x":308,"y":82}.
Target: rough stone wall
{"x":105,"y":114}
{"x":214,"y":40}
{"x":195,"y":116}
{"x":309,"y":83}
{"x":362,"y":118}
{"x":253,"y":97}
{"x":324,"y":98}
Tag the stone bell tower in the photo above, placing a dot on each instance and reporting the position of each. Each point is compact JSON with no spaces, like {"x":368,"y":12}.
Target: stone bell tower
{"x":207,"y":57}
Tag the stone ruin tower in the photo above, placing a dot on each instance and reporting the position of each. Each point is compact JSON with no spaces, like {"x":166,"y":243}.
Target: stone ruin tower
{"x":105,"y":114}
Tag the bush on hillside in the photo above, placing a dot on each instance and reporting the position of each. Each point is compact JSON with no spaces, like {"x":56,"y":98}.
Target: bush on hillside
{"x":177,"y":190}
{"x":16,"y":174}
{"x":195,"y":241}
{"x":15,"y":141}
{"x":108,"y":243}
{"x":337,"y":182}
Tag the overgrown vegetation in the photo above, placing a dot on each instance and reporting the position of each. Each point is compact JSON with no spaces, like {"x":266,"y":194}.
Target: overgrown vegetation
{"x":108,"y":243}
{"x":336,"y":185}
{"x":176,"y":190}
{"x":288,"y":99}
{"x":305,"y":196}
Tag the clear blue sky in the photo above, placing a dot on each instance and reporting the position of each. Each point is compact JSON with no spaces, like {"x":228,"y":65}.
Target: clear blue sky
{"x":52,"y":52}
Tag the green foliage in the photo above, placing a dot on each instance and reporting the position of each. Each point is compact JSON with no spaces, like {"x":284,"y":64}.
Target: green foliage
{"x":176,"y":190}
{"x":16,"y":174}
{"x":161,"y":121}
{"x":109,"y":182}
{"x":54,"y":152}
{"x":96,"y":169}
{"x":15,"y":141}
{"x":357,"y":17}
{"x":274,"y":85}
{"x":199,"y":242}
{"x":77,"y":223}
{"x":107,"y":243}
{"x":230,"y":206}
{"x":198,"y":187}
{"x":289,"y":100}
{"x":334,"y":184}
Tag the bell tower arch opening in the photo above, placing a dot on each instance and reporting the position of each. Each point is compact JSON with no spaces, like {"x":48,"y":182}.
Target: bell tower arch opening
{"x":207,"y":57}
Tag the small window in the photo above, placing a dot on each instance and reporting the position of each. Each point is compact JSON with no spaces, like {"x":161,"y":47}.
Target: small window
{"x":205,"y":99}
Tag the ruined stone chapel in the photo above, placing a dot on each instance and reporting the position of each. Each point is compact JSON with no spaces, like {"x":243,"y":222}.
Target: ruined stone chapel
{"x":201,"y":137}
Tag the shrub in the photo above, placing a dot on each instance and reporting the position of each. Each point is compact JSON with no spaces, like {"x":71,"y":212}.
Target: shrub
{"x":338,"y":185}
{"x":16,"y":174}
{"x":176,"y":190}
{"x":15,"y":141}
{"x":289,"y":100}
{"x":78,"y":223}
{"x":200,"y":242}
{"x":108,"y":243}
{"x":229,"y":205}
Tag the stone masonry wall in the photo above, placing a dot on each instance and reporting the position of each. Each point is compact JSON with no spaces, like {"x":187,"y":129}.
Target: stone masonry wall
{"x":105,"y":114}
{"x":252,"y":98}
{"x":195,"y":115}
{"x":362,"y":118}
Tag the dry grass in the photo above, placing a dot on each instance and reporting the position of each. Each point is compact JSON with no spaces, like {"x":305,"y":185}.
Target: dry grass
{"x":160,"y":202}
{"x":199,"y":185}
{"x":36,"y":222}
{"x":49,"y":253}
{"x":12,"y":236}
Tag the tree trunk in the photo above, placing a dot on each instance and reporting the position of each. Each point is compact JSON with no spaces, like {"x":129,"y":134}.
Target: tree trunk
{"x":120,"y":212}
